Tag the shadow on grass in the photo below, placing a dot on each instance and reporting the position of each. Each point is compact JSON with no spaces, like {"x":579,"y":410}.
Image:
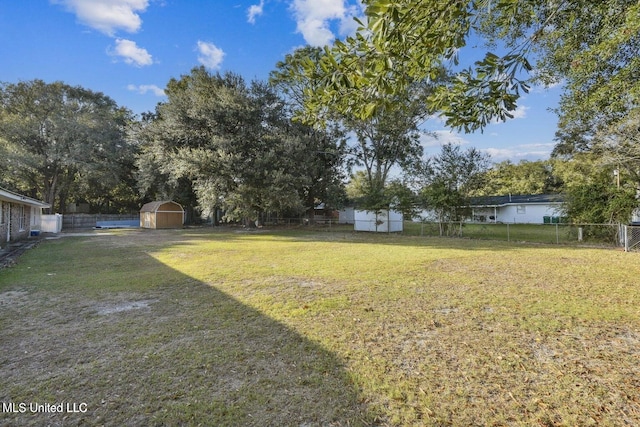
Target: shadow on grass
{"x":167,"y":351}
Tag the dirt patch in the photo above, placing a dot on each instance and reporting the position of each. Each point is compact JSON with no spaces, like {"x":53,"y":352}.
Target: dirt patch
{"x":13,"y":297}
{"x":124,"y":306}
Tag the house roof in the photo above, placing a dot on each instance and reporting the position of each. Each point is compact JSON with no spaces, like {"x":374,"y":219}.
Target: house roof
{"x":155,"y":206}
{"x":10,"y":196}
{"x":520,"y":199}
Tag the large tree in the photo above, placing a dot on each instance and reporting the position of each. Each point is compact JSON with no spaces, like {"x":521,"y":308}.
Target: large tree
{"x":63,"y":143}
{"x":595,"y":192}
{"x":593,"y":49}
{"x":385,"y":139}
{"x":618,"y":145}
{"x":525,"y":177}
{"x":591,"y":46}
{"x":235,"y":146}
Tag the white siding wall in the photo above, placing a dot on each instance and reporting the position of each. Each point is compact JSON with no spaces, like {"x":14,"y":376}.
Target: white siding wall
{"x":527,"y":214}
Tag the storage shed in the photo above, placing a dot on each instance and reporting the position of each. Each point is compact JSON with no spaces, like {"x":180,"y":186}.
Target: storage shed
{"x":384,"y":221}
{"x":162,"y":214}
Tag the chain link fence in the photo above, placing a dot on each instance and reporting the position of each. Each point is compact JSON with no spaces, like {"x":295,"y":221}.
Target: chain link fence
{"x":593,"y":234}
{"x":602,"y":235}
{"x":631,"y":238}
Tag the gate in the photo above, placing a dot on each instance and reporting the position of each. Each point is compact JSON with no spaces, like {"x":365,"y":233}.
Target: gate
{"x":631,"y":238}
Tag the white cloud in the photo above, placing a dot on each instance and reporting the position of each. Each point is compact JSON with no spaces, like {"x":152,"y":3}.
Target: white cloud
{"x":439,"y":138}
{"x":313,"y":18}
{"x":143,"y":89}
{"x":253,"y":11}
{"x":519,"y":113}
{"x":516,"y":153}
{"x":107,"y":16}
{"x":210,"y":55}
{"x":131,"y":53}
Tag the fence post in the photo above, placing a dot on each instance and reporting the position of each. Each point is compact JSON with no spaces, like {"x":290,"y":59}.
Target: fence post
{"x":626,"y":238}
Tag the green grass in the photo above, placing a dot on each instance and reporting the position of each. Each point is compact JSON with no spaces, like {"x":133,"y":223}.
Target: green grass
{"x":312,"y":328}
{"x":532,"y":233}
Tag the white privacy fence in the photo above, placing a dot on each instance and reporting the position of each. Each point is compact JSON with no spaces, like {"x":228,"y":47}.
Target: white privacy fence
{"x":51,"y":223}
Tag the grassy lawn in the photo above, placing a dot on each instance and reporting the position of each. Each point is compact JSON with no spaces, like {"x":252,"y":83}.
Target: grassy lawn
{"x":302,"y":328}
{"x":602,"y":235}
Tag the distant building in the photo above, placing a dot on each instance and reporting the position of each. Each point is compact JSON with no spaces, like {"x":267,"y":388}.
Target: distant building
{"x":511,"y":209}
{"x":517,"y":209}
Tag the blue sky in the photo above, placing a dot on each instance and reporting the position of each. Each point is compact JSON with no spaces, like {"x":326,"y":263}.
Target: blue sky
{"x":129,"y":49}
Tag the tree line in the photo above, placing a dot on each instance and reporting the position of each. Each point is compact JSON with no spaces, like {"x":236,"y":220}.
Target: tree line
{"x":217,"y":143}
{"x":221,"y":144}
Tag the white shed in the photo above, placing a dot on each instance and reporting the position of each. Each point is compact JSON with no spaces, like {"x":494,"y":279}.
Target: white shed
{"x":384,"y":221}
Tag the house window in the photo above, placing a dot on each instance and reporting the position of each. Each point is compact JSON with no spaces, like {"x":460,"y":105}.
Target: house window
{"x":22,"y":218}
{"x":521,"y":209}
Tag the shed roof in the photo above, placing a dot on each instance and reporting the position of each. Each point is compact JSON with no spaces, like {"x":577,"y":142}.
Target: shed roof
{"x":155,"y":206}
{"x":10,"y":196}
{"x":520,"y":199}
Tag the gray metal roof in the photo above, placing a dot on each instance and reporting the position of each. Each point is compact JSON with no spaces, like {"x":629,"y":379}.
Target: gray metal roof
{"x":520,"y":199}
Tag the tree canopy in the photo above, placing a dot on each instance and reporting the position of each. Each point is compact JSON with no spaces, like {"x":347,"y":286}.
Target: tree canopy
{"x":590,"y":46}
{"x":237,"y":148}
{"x":385,"y":139}
{"x":62,"y":142}
{"x":222,"y":143}
{"x":525,"y":177}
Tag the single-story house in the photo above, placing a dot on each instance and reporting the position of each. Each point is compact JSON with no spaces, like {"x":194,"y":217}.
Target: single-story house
{"x":162,"y":214}
{"x":518,"y":209}
{"x":511,"y":209}
{"x":19,"y":216}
